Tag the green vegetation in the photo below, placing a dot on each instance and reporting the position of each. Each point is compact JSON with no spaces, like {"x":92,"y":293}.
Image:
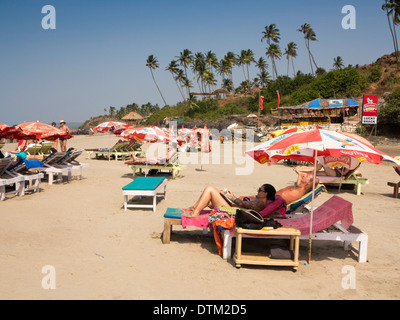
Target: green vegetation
{"x":340,"y":82}
{"x":389,"y":115}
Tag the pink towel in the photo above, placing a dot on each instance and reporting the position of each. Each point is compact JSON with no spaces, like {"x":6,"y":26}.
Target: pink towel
{"x":334,"y":210}
{"x":199,"y":222}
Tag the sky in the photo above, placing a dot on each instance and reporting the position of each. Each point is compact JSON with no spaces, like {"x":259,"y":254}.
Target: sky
{"x":96,"y":55}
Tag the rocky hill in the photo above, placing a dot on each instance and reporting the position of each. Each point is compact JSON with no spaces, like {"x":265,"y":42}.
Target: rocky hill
{"x":390,"y":78}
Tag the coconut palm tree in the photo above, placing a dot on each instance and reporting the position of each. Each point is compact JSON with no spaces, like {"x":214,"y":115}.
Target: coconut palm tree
{"x":392,"y":8}
{"x":173,"y":68}
{"x":231,"y":61}
{"x":261,"y":64}
{"x":338,"y":63}
{"x":271,"y":33}
{"x":185,"y":58}
{"x":309,"y":35}
{"x":152,"y":64}
{"x":291,"y":52}
{"x":264,"y":77}
{"x":274,"y":52}
{"x":249,"y":60}
{"x":227,"y":85}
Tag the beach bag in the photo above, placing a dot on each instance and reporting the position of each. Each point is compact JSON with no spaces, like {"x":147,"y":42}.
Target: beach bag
{"x":249,"y":219}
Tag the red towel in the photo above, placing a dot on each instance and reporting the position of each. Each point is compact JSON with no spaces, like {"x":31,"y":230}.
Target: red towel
{"x":334,"y":210}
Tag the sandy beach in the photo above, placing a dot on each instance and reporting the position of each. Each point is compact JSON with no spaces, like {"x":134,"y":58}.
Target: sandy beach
{"x":101,"y":252}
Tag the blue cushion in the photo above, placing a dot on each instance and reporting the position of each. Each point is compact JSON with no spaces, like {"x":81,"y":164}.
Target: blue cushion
{"x":144,"y":183}
{"x":173,"y":213}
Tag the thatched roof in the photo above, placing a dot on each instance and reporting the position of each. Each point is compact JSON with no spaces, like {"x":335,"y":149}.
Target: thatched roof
{"x":132,"y":116}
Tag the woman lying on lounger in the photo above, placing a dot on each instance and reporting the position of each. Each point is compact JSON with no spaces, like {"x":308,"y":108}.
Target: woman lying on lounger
{"x":212,"y":197}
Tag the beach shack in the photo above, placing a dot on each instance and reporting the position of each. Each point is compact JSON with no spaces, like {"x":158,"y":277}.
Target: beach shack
{"x":318,"y":111}
{"x":133,"y":117}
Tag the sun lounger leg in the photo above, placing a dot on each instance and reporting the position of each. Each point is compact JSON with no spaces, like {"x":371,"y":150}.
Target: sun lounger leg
{"x":227,"y":246}
{"x":357,"y":188}
{"x":154,"y":202}
{"x":362,"y":254}
{"x":20,"y":187}
{"x":167,"y":231}
{"x":2,"y":193}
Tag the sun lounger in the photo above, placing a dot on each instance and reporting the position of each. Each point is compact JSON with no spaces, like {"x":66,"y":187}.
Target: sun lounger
{"x":33,"y":149}
{"x":51,"y":170}
{"x":395,"y":185}
{"x":350,"y":178}
{"x":326,"y":217}
{"x":169,"y":164}
{"x":69,"y":163}
{"x":173,"y":215}
{"x":19,"y":171}
{"x":108,"y":153}
{"x":144,"y":187}
{"x":7,"y":180}
{"x":300,"y":205}
{"x":45,"y":149}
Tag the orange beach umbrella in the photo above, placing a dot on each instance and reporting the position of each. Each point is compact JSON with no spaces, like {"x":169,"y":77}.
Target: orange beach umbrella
{"x":38,"y":130}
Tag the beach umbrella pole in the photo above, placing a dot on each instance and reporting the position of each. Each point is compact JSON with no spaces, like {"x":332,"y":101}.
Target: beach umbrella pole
{"x":312,"y":209}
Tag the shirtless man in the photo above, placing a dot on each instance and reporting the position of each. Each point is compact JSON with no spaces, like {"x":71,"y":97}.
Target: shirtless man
{"x":303,"y":185}
{"x":63,"y":141}
{"x":212,"y":197}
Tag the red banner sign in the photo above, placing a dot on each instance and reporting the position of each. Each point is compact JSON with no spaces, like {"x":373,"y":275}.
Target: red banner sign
{"x":370,"y":109}
{"x":261,"y":102}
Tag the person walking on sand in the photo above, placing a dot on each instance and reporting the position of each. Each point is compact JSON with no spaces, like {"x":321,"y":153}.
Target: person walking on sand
{"x":63,"y":141}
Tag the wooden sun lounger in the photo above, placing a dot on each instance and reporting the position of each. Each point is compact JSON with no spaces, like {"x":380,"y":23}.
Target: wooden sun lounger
{"x":350,"y":178}
{"x":171,"y":165}
{"x":395,"y":185}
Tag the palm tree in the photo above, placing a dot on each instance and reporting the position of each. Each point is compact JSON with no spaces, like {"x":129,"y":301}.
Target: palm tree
{"x":291,"y":52}
{"x":173,"y":68}
{"x":212,"y":61}
{"x":392,"y":8}
{"x":309,"y":34}
{"x":227,"y":85}
{"x":271,"y":33}
{"x":231,"y":61}
{"x":185,"y":58}
{"x":338,"y":63}
{"x":249,"y":60}
{"x":274,"y":52}
{"x":261,"y":64}
{"x":264,"y":77}
{"x":152,"y":64}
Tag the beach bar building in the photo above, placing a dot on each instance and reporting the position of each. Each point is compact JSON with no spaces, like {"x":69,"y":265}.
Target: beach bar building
{"x":133,"y":117}
{"x":318,"y":111}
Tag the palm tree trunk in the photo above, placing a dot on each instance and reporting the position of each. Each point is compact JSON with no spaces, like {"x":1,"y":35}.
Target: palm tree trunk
{"x":180,"y":90}
{"x":288,"y":64}
{"x":394,"y":38}
{"x":309,"y":57}
{"x":157,"y":87}
{"x":396,"y":46}
{"x":294,"y":71}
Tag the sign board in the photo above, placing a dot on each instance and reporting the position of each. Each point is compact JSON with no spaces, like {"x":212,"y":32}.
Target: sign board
{"x":370,"y":109}
{"x":336,"y":103}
